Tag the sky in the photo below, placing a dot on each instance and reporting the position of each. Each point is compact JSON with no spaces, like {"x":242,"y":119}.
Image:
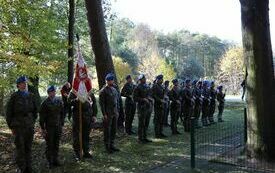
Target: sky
{"x":221,"y":18}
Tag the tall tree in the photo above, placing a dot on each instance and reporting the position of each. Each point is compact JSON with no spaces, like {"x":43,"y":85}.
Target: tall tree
{"x":260,"y":77}
{"x":71,"y":40}
{"x":103,"y":59}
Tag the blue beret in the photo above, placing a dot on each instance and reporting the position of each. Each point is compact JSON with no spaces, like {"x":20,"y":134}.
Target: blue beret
{"x":220,"y":87}
{"x":142,"y":76}
{"x":194,"y":82}
{"x":109,"y":77}
{"x":187,"y":81}
{"x":51,"y":88}
{"x":175,"y":81}
{"x":128,"y":77}
{"x":205,"y":83}
{"x":159,"y":77}
{"x":21,"y":79}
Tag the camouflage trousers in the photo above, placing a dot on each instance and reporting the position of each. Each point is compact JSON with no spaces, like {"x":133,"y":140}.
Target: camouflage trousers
{"x":158,"y":119}
{"x":23,"y":143}
{"x":110,"y":128}
{"x":212,"y":108}
{"x":130,"y":110}
{"x":175,"y":114}
{"x":221,"y":108}
{"x":52,"y":143}
{"x":144,"y":115}
{"x":197,"y":112}
{"x":86,"y":128}
{"x":205,"y":112}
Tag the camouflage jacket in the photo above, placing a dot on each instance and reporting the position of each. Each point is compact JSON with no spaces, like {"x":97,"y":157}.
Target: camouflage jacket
{"x":21,"y":110}
{"x":51,"y":113}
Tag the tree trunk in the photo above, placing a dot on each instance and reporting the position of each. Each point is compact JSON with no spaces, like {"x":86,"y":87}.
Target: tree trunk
{"x":260,"y":80}
{"x":71,"y":40}
{"x":103,"y":59}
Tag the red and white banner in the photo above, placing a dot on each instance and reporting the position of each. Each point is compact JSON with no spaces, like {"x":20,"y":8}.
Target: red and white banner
{"x":82,"y":84}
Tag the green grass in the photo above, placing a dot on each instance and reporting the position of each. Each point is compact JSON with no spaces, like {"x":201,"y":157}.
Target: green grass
{"x":134,"y":157}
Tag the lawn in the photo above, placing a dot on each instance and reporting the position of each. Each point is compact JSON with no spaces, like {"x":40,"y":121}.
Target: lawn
{"x":134,"y":157}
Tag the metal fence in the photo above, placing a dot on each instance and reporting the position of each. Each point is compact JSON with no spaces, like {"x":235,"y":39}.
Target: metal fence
{"x":226,"y":145}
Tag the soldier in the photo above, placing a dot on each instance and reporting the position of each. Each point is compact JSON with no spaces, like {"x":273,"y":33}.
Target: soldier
{"x":221,"y":100}
{"x":109,"y":102}
{"x":130,"y":105}
{"x":205,"y":103}
{"x":212,"y":105}
{"x":20,"y":116}
{"x":188,"y":105}
{"x":167,"y":103}
{"x":197,"y":94}
{"x":121,"y":117}
{"x":158,"y":95}
{"x":65,"y":91}
{"x":145,"y":103}
{"x":51,"y":121}
{"x":174,"y":95}
{"x":88,"y":115}
{"x":182,"y":102}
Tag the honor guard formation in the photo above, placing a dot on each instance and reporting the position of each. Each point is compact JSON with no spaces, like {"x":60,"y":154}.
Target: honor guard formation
{"x":167,"y":105}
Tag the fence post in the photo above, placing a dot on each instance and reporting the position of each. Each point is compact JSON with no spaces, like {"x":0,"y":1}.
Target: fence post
{"x":192,"y":133}
{"x":245,"y":126}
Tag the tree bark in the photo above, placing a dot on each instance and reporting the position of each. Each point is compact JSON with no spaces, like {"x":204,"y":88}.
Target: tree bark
{"x":260,"y":78}
{"x":103,"y":59}
{"x":71,"y":40}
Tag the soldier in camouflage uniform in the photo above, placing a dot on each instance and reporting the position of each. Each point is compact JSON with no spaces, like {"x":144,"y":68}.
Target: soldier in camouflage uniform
{"x":65,"y":91}
{"x":121,"y":117}
{"x":212,"y":105}
{"x":197,"y":94}
{"x":174,"y":95}
{"x":109,"y":103}
{"x":21,"y":114}
{"x":88,"y":110}
{"x":205,"y":103}
{"x":144,"y":105}
{"x":158,"y":95}
{"x":167,"y":103}
{"x":51,"y":121}
{"x":188,"y":105}
{"x":221,"y":100}
{"x":130,"y":105}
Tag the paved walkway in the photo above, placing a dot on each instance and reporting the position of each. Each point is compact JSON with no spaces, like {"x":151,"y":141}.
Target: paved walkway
{"x":203,"y":166}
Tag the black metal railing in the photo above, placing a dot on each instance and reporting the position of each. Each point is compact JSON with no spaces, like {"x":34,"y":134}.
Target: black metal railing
{"x":225,"y":143}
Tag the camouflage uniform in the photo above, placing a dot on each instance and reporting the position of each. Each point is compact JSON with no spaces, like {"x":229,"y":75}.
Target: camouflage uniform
{"x":158,"y":95}
{"x":87,"y":119}
{"x":142,"y":92}
{"x":205,"y":105}
{"x":212,"y":105}
{"x":65,"y":91}
{"x":167,"y":105}
{"x":221,"y":100}
{"x":109,"y":102}
{"x":51,"y":120}
{"x":174,"y":95}
{"x":20,"y":116}
{"x":197,"y":93}
{"x":188,"y":107}
{"x":121,"y":117}
{"x":130,"y":106}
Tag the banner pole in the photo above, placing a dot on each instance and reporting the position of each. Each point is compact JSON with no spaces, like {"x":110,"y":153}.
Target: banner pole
{"x":80,"y":130}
